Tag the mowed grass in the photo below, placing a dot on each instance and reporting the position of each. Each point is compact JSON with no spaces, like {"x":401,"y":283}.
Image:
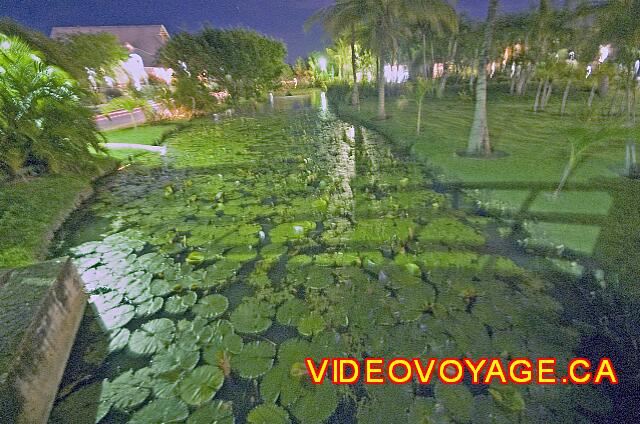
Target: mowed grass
{"x":593,"y":216}
{"x":536,"y":147}
{"x":148,"y":134}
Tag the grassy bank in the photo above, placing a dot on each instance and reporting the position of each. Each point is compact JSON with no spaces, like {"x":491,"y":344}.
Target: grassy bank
{"x":596,"y":216}
{"x":31,"y":210}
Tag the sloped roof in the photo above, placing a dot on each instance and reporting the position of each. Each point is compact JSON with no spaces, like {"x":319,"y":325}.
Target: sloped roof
{"x":146,"y":40}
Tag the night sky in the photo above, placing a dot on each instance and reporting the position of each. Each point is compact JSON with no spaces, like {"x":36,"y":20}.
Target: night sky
{"x":281,"y":19}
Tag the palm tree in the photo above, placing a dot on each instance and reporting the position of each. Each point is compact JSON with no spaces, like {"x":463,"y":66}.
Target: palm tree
{"x":343,"y":19}
{"x":430,"y":19}
{"x":42,"y":120}
{"x":479,"y":142}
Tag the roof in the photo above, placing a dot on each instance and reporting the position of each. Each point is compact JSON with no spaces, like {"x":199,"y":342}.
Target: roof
{"x":146,"y":40}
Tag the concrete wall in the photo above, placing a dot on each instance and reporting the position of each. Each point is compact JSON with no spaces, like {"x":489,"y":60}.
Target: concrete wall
{"x":41,"y":307}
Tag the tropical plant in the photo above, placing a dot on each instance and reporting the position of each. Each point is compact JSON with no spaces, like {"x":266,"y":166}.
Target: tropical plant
{"x":419,"y":89}
{"x":343,"y":19}
{"x":43,"y":125}
{"x":479,"y":141}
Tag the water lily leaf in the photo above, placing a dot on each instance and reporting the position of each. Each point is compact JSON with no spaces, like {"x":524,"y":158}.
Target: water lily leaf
{"x":291,"y":311}
{"x":195,"y":258}
{"x":161,"y":411}
{"x":217,"y":412}
{"x":160,"y":288}
{"x":117,"y":317}
{"x":311,"y":324}
{"x":252,"y":317}
{"x":201,"y":384}
{"x":211,"y":306}
{"x":316,"y":404}
{"x":174,"y":358}
{"x":291,"y":231}
{"x":457,"y":400}
{"x":179,"y":304}
{"x":268,"y":414}
{"x":279,"y":383}
{"x":119,"y":339}
{"x":255,"y":359}
{"x":105,"y":301}
{"x":149,"y":307}
{"x":152,"y":336}
{"x":508,"y":398}
{"x":124,"y":392}
{"x":319,"y":277}
{"x":220,"y":345}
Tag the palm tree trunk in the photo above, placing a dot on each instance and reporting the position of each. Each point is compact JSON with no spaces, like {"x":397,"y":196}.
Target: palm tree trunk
{"x":565,"y":97}
{"x":425,"y":68}
{"x":381,"y":82}
{"x":355,"y":95}
{"x":630,"y":159}
{"x":418,"y":124}
{"x":479,"y":142}
{"x":591,"y":95}
{"x":453,"y":43}
{"x":547,"y":95}
{"x":536,"y":103}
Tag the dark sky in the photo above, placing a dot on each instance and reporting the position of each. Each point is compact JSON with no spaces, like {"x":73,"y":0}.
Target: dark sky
{"x":282,"y":19}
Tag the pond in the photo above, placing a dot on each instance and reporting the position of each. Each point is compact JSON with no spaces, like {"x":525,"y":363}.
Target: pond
{"x":261,"y":240}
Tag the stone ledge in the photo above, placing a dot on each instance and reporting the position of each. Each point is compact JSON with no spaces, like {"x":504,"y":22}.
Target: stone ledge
{"x":41,"y":307}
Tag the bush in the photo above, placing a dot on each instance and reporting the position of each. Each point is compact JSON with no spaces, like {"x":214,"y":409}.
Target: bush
{"x":43,"y":125}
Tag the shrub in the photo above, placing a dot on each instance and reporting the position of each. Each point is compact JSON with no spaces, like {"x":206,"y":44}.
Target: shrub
{"x":43,"y":125}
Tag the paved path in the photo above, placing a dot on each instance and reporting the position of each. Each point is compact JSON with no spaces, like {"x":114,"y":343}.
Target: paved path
{"x":160,"y":149}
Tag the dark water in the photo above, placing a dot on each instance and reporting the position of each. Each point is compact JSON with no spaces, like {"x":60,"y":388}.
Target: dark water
{"x":293,"y":162}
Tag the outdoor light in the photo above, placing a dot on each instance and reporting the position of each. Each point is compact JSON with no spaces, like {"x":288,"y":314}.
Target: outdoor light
{"x":322,"y":61}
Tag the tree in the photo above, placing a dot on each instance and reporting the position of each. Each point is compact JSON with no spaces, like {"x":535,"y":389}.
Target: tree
{"x":52,"y":51}
{"x":343,"y":20}
{"x":100,"y":52}
{"x":479,"y":142}
{"x":43,"y":124}
{"x":241,"y":61}
{"x":419,"y":89}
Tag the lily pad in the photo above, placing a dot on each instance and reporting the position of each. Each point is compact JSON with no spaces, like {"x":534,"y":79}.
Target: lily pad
{"x":201,"y":384}
{"x":268,"y":414}
{"x":119,"y":339}
{"x":291,"y":231}
{"x":291,"y":311}
{"x":217,"y":412}
{"x":311,"y":324}
{"x":124,"y":392}
{"x":161,"y":411}
{"x":117,"y":317}
{"x":252,"y":317}
{"x":211,"y":306}
{"x":152,"y":336}
{"x":150,"y":307}
{"x":160,"y":288}
{"x":255,"y":359}
{"x":175,"y":358}
{"x":179,"y":304}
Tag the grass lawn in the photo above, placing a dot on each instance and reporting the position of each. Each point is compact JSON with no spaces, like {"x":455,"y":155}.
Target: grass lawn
{"x":147,"y":134}
{"x":150,"y":135}
{"x":30,"y":210}
{"x":593,"y":216}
